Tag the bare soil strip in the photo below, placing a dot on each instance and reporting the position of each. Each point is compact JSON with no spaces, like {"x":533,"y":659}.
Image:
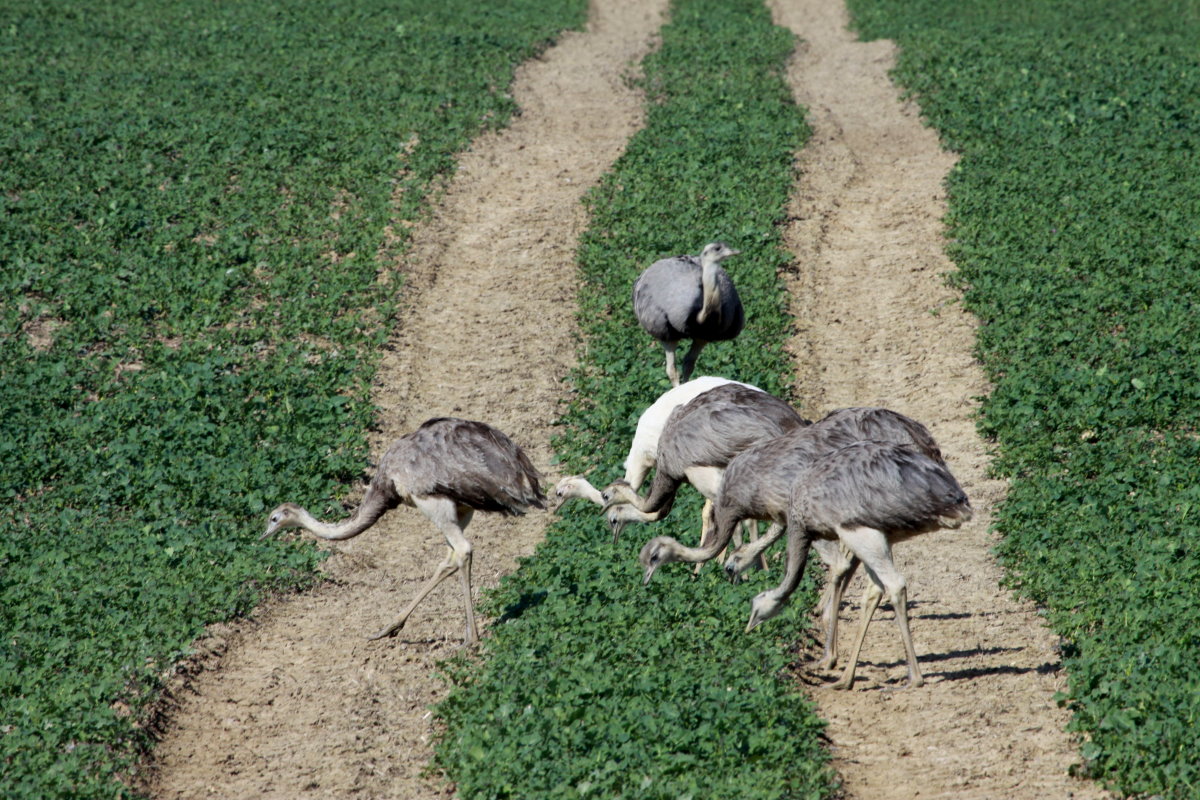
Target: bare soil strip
{"x":878,"y":326}
{"x":297,"y":703}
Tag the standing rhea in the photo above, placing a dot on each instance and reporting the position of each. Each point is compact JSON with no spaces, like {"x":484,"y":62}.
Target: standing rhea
{"x":686,"y":297}
{"x":448,"y":469}
{"x":699,"y":440}
{"x":867,"y":496}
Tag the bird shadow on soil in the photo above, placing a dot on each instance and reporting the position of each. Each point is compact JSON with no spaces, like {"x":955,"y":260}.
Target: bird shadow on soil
{"x":524,"y":603}
{"x":819,"y":679}
{"x":968,"y":673}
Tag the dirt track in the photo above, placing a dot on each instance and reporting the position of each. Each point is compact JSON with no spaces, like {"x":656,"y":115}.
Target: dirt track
{"x":299,"y":704}
{"x":296,"y":703}
{"x":878,"y":326}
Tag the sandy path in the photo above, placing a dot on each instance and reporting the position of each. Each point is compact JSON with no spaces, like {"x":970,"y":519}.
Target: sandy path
{"x":295,"y":703}
{"x":879,"y":327}
{"x":298,"y":703}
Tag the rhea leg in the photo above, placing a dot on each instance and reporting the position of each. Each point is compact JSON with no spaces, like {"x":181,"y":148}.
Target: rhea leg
{"x":872,"y":547}
{"x":672,"y":373}
{"x":841,"y":564}
{"x":451,"y":520}
{"x":869,"y":604}
{"x":689,"y":361}
{"x":744,"y":556}
{"x":707,"y":481}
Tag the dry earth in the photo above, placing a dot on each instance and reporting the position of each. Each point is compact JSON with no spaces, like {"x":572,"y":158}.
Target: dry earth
{"x":295,"y":703}
{"x":299,"y":703}
{"x":878,"y":326}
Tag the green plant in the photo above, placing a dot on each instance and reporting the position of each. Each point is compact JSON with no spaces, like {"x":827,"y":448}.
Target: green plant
{"x":591,"y":685}
{"x":1073,"y":215}
{"x":196,"y":276}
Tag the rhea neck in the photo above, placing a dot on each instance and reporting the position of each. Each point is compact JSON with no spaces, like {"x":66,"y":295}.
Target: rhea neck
{"x":680,"y":552}
{"x":711,"y":305}
{"x":583,"y":488}
{"x":367,"y":514}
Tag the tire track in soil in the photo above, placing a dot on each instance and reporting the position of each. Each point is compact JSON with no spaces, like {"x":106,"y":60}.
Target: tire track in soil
{"x":878,"y":326}
{"x":294,"y":701}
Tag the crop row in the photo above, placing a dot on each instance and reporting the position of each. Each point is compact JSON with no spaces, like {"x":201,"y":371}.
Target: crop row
{"x":593,"y":685}
{"x":194,"y":211}
{"x":1074,"y":216}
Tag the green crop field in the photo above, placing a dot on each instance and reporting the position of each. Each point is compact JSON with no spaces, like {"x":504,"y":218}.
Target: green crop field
{"x":194,"y":265}
{"x":199,"y":217}
{"x":1075,"y":217}
{"x":656,"y":692}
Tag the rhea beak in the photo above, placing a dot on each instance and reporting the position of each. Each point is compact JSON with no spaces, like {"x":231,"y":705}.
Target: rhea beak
{"x":616,"y":525}
{"x":754,"y":621}
{"x":269,"y":531}
{"x":649,"y":574}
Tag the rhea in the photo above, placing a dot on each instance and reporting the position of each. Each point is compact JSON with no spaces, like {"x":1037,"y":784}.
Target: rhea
{"x":643,"y":453}
{"x":758,"y":486}
{"x":686,"y":297}
{"x":839,"y":428}
{"x":447,"y":469}
{"x":867,"y":496}
{"x":699,"y":440}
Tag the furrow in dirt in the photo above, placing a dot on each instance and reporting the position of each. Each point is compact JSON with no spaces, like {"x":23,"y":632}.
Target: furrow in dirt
{"x":878,"y":326}
{"x":297,"y":702}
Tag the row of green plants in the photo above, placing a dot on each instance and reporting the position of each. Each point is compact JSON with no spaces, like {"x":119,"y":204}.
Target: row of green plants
{"x":1075,"y":222}
{"x":592,"y":685}
{"x":197,"y":272}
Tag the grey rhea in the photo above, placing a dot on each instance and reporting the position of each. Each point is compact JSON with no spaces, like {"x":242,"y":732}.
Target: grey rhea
{"x":698,"y":440}
{"x":867,"y":496}
{"x":686,"y":297}
{"x":758,"y":484}
{"x":447,"y":469}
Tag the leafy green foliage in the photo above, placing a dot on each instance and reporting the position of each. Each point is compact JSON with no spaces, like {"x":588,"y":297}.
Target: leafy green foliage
{"x":593,"y":685}
{"x":1074,"y":214}
{"x":195,"y":271}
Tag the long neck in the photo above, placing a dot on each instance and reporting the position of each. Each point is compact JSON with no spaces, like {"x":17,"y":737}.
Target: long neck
{"x":630,"y":513}
{"x":723,"y":533}
{"x":584,"y":489}
{"x":708,"y":284}
{"x":373,"y":506}
{"x":661,"y":496}
{"x":798,"y":540}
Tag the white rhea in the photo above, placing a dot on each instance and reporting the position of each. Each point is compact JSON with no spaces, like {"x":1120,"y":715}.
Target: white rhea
{"x":699,"y":440}
{"x":643,"y":453}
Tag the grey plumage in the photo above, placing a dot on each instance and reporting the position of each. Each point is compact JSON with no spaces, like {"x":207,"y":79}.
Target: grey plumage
{"x":867,"y":496}
{"x":468,"y":462}
{"x":448,"y":469}
{"x":699,"y":440}
{"x":769,"y":471}
{"x":758,"y":486}
{"x":758,"y":479}
{"x":686,"y":297}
